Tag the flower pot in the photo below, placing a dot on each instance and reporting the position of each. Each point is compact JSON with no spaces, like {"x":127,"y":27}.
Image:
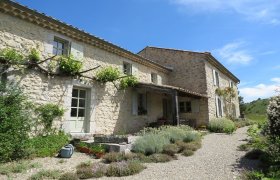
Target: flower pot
{"x":99,"y":155}
{"x":84,"y":149}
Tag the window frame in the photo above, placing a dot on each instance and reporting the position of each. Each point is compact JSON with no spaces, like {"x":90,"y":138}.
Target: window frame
{"x":65,"y":49}
{"x":185,"y":107}
{"x":78,"y":107}
{"x":217,"y":78}
{"x":125,"y":70}
{"x":142,"y":104}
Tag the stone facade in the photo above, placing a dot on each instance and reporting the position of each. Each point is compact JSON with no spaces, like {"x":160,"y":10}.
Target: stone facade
{"x":192,"y":70}
{"x":108,"y":110}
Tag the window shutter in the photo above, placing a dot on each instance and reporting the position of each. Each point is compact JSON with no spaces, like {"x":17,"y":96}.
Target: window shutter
{"x":77,"y":51}
{"x":214,"y":77}
{"x":195,"y":106}
{"x":48,"y":45}
{"x":159,"y":79}
{"x":222,"y":106}
{"x":134,"y":103}
{"x":217,"y":106}
{"x":134,"y":71}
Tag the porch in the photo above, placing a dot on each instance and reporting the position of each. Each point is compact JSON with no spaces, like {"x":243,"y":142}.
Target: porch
{"x":169,"y":105}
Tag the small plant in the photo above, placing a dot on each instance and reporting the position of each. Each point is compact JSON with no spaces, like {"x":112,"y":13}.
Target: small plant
{"x":187,"y":152}
{"x":244,"y":147}
{"x":129,"y":81}
{"x":45,"y":174}
{"x":69,"y":176}
{"x":84,"y":165}
{"x":192,"y":136}
{"x":170,"y":149}
{"x":124,"y":168}
{"x":99,"y":170}
{"x":160,"y":158}
{"x":193,"y":146}
{"x":34,"y":55}
{"x":85,"y":173}
{"x":10,"y":56}
{"x":150,"y":144}
{"x":48,"y":113}
{"x":17,"y":167}
{"x":108,"y":74}
{"x":69,"y":65}
{"x":113,"y":157}
{"x":221,"y":125}
{"x":252,"y":175}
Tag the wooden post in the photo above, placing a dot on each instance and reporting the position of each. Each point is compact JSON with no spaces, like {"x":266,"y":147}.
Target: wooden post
{"x":175,"y":108}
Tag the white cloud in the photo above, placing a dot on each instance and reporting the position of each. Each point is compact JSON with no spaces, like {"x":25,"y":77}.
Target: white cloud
{"x":235,"y":53}
{"x":260,"y":90}
{"x":266,"y":11}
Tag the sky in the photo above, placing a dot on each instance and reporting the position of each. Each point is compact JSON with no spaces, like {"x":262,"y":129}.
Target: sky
{"x":244,"y":35}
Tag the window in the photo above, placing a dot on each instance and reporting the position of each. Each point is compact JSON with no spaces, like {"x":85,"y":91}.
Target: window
{"x":78,"y":104}
{"x":60,"y":47}
{"x":127,"y":68}
{"x":185,"y":107}
{"x":219,"y":110}
{"x":154,"y":78}
{"x":231,"y":84}
{"x":142,"y":104}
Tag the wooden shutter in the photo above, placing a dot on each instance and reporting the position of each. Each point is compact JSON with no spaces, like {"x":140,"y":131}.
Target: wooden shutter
{"x":48,"y":45}
{"x":134,"y":103}
{"x":195,"y":106}
{"x":214,"y":77}
{"x":134,"y":71}
{"x":159,"y":79}
{"x":77,"y":51}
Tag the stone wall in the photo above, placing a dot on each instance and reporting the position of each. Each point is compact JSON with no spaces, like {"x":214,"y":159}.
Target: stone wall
{"x":211,"y":88}
{"x":109,"y":109}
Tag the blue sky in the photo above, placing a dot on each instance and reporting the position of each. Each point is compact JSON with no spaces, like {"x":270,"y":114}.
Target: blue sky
{"x":242,"y":34}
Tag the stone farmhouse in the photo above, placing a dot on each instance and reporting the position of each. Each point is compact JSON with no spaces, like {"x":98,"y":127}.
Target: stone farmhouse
{"x":175,"y":86}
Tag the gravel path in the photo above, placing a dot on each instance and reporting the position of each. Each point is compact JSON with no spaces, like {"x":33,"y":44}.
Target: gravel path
{"x":218,"y":159}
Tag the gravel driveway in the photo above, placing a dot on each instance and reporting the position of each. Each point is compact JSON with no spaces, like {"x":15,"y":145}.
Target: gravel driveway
{"x":217,"y":159}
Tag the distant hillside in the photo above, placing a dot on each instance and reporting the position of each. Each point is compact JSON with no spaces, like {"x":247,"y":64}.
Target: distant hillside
{"x":256,"y":107}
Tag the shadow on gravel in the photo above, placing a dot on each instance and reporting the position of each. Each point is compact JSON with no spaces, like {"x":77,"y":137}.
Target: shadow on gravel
{"x":247,"y":164}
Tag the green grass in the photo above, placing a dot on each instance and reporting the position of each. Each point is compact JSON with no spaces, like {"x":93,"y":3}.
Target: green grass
{"x":257,"y":118}
{"x":256,"y":107}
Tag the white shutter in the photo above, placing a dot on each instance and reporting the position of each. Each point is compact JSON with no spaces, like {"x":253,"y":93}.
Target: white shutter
{"x":195,"y":106}
{"x":214,"y":77}
{"x":134,"y":71}
{"x":159,"y":79}
{"x":48,"y":45}
{"x":222,"y":106}
{"x":217,"y":106}
{"x":134,"y":103}
{"x":77,"y":51}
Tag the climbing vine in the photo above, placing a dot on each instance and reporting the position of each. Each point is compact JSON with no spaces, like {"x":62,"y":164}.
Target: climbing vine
{"x":228,"y":95}
{"x":63,"y":66}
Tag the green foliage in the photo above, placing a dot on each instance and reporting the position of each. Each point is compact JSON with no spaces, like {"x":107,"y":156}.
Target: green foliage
{"x":273,"y":113}
{"x":14,"y":123}
{"x":47,"y":113}
{"x":244,"y":147}
{"x":108,"y":74}
{"x":49,"y":145}
{"x":97,"y":148}
{"x":170,"y":149}
{"x":114,"y":157}
{"x":192,"y":136}
{"x":187,"y":152}
{"x":45,"y":174}
{"x":129,"y":81}
{"x":10,"y":56}
{"x":85,"y":173}
{"x":252,"y":175}
{"x":17,"y":167}
{"x":69,"y":65}
{"x":242,"y":122}
{"x":124,"y":168}
{"x":150,"y":144}
{"x":221,"y":125}
{"x":34,"y":55}
{"x":69,"y":176}
{"x":258,"y":106}
{"x":257,"y":118}
{"x":193,"y":146}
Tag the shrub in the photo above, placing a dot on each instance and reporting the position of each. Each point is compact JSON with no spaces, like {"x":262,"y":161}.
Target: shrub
{"x":85,"y":173}
{"x":124,"y":168}
{"x":10,"y":56}
{"x":182,"y":145}
{"x":173,"y":133}
{"x":17,"y":167}
{"x":192,"y":136}
{"x":84,"y":165}
{"x":129,"y":81}
{"x":69,"y":65}
{"x":273,"y":112}
{"x":244,"y":147}
{"x":14,"y":123}
{"x":99,"y":170}
{"x":187,"y":152}
{"x":254,"y":154}
{"x":193,"y":146}
{"x":150,"y":144}
{"x":113,"y":157}
{"x":221,"y":125}
{"x":252,"y":175}
{"x":159,"y":158}
{"x":170,"y":149}
{"x":242,"y":122}
{"x":48,"y":145}
{"x":108,"y":74}
{"x":45,"y":174}
{"x":47,"y":113}
{"x":69,"y":176}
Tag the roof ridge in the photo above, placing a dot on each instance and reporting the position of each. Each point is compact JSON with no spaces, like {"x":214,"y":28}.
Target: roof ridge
{"x":173,"y":49}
